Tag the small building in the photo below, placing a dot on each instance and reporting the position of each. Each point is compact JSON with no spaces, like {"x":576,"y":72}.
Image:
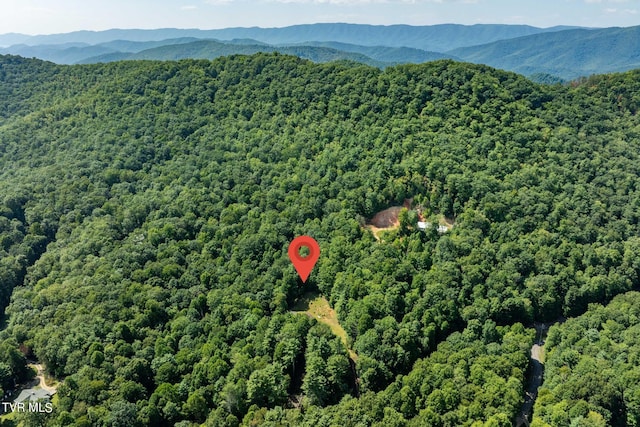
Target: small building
{"x":423,"y":225}
{"x":33,"y":395}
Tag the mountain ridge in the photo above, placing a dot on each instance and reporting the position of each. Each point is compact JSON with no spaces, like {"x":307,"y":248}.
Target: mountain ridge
{"x":211,"y":49}
{"x":441,"y":37}
{"x":569,"y":54}
{"x":560,"y":53}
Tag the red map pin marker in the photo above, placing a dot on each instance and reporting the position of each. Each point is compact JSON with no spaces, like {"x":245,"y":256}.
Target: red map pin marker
{"x":305,"y":264}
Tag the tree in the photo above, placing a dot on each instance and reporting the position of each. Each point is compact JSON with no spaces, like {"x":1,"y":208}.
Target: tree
{"x":267,"y":386}
{"x":123,"y":414}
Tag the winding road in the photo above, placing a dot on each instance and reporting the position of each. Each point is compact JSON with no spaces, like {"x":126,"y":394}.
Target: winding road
{"x":40,"y":377}
{"x":535,"y":377}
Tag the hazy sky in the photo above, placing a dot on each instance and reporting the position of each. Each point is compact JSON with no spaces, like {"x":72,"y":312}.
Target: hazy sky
{"x":54,"y":16}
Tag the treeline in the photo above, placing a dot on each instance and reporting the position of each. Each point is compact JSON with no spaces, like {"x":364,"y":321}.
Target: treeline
{"x":149,"y":206}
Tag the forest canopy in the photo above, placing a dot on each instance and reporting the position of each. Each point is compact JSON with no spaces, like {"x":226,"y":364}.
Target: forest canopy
{"x":146,"y":208}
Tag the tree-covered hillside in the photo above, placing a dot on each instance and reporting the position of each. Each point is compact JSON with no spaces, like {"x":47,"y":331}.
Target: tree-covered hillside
{"x":567,"y":54}
{"x":592,"y":368}
{"x":146,"y":208}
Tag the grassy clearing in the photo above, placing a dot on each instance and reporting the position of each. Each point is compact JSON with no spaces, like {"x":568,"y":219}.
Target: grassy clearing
{"x":8,"y":416}
{"x":318,"y":307}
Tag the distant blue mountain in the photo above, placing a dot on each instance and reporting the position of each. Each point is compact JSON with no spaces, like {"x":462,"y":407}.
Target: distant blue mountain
{"x":138,"y":46}
{"x":436,"y":38}
{"x":567,"y":54}
{"x":548,"y":55}
{"x":210,"y":49}
{"x":66,"y":53}
{"x":11,"y":39}
{"x":387,"y":54}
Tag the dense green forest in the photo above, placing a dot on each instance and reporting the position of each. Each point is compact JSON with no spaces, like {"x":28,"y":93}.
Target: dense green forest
{"x":592,"y":368}
{"x":146,"y":208}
